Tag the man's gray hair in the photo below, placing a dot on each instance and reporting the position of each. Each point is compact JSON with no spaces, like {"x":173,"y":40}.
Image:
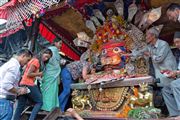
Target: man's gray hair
{"x":153,"y":31}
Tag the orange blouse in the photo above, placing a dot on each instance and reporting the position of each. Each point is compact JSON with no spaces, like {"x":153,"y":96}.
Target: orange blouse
{"x":30,"y":80}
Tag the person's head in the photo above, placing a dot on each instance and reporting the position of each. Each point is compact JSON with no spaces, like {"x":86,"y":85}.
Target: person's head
{"x":173,"y":12}
{"x":152,"y":35}
{"x":23,"y":56}
{"x":177,"y":39}
{"x":58,"y":43}
{"x":45,"y":55}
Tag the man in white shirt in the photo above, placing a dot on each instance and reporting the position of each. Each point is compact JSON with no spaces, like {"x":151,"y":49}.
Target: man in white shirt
{"x":171,"y":93}
{"x":173,"y":12}
{"x":9,"y":79}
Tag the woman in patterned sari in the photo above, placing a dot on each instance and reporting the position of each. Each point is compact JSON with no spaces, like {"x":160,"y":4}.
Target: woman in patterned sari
{"x":70,"y":73}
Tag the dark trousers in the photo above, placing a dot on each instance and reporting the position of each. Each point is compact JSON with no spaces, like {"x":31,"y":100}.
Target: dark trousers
{"x":35,"y":96}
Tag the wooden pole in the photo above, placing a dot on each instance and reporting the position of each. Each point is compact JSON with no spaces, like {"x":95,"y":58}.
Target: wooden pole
{"x":28,"y":32}
{"x":35,"y":31}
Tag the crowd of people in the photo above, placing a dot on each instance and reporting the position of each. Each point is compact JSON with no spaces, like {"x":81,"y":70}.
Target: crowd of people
{"x":39,"y":83}
{"x":44,"y":68}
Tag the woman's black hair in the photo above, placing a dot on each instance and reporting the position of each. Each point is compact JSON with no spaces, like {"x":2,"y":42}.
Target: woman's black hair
{"x":39,"y":57}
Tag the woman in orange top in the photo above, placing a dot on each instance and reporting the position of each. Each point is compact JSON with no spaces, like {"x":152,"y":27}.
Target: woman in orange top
{"x":33,"y":69}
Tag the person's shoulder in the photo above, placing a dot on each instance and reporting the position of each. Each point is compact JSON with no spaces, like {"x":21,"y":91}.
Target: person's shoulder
{"x":162,"y":42}
{"x":35,"y":59}
{"x":13,"y":62}
{"x":74,"y":63}
{"x":12,"y":65}
{"x":52,"y":48}
{"x":176,"y":51}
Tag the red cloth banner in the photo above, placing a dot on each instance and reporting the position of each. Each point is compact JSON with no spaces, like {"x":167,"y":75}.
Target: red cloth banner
{"x":48,"y":35}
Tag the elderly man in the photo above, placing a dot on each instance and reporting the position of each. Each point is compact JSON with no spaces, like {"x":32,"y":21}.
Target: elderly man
{"x":171,"y":93}
{"x":173,"y":12}
{"x":9,"y":78}
{"x":161,"y":55}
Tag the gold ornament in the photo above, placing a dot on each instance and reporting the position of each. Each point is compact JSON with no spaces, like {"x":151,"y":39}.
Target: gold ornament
{"x":109,"y":98}
{"x":80,"y":101}
{"x":142,"y":97}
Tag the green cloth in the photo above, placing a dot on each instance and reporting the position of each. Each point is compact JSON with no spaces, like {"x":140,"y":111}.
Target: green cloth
{"x":50,"y":80}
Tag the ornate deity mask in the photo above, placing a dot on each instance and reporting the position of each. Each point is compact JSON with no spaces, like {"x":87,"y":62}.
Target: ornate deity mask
{"x":111,"y":54}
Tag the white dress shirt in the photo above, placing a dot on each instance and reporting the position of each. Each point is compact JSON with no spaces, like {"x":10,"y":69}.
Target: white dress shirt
{"x":179,"y":18}
{"x":9,"y":76}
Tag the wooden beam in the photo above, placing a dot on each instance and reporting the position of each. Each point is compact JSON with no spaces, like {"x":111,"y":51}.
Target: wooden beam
{"x":115,"y":83}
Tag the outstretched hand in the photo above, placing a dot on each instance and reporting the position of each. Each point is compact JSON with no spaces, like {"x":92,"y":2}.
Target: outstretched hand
{"x":74,"y":114}
{"x":22,"y":91}
{"x":169,"y":73}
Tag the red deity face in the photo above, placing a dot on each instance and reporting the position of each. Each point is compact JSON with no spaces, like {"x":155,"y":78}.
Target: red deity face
{"x":111,"y":53}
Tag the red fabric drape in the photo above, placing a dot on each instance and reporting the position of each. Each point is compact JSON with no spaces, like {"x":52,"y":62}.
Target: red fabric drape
{"x":48,"y":35}
{"x":69,"y":52}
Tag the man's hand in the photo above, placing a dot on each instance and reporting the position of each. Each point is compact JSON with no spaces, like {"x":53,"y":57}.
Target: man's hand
{"x":74,"y":114}
{"x":169,"y":74}
{"x":40,"y":74}
{"x":148,"y":54}
{"x":172,"y":74}
{"x":22,"y":91}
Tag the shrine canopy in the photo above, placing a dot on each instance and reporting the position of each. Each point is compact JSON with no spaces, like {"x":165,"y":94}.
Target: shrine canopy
{"x":70,"y":18}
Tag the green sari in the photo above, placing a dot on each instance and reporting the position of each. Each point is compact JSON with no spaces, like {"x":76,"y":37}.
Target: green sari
{"x":50,"y":80}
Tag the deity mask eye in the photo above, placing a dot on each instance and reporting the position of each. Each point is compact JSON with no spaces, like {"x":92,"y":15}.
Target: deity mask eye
{"x":104,"y":52}
{"x":117,"y":50}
